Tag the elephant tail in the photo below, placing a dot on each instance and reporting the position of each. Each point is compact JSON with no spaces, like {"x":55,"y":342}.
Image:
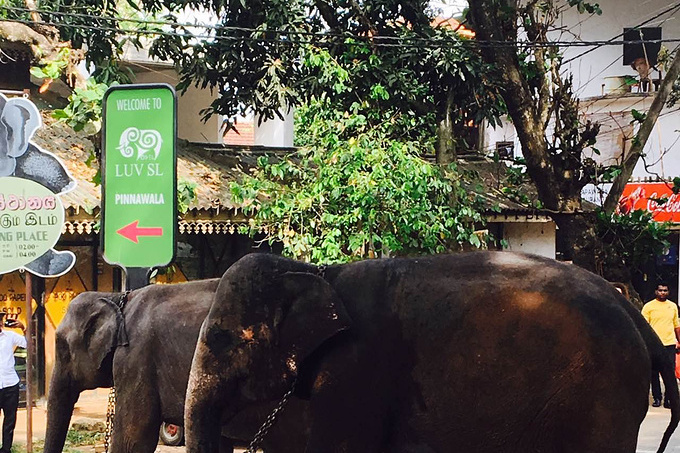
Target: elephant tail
{"x":671,"y":386}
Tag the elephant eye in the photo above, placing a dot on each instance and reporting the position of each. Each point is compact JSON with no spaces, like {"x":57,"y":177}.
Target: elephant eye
{"x":219,"y":338}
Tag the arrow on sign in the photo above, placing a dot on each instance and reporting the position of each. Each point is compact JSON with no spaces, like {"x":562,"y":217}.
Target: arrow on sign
{"x":132,"y":231}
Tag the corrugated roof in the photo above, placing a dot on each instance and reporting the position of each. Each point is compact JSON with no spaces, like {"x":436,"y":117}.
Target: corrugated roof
{"x":74,"y":150}
{"x":194,"y":165}
{"x":212,"y":167}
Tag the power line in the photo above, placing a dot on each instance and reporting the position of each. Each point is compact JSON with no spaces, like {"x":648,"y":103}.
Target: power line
{"x":642,"y":24}
{"x":374,"y":40}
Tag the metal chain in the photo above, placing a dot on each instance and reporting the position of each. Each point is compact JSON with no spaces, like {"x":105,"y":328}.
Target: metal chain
{"x":271,"y":419}
{"x":110,"y":412}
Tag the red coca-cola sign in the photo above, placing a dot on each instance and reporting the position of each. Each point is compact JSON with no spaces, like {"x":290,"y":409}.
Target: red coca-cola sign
{"x":648,"y":197}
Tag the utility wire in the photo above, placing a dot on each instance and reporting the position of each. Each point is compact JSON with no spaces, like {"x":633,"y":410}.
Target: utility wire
{"x":375,"y":40}
{"x":612,"y":40}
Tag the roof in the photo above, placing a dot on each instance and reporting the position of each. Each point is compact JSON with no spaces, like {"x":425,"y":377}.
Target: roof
{"x":493,"y":176}
{"x":212,"y":167}
{"x":209,"y":169}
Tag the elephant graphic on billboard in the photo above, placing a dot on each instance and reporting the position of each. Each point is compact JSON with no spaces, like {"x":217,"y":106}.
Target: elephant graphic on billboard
{"x":147,"y":143}
{"x":21,"y":158}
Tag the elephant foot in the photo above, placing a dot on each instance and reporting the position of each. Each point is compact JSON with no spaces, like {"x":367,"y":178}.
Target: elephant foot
{"x":52,"y":263}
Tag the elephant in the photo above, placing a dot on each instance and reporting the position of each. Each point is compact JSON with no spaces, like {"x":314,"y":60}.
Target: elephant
{"x":475,"y":352}
{"x":145,"y":350}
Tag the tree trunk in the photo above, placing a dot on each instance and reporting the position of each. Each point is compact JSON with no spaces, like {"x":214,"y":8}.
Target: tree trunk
{"x":578,"y":234}
{"x":446,"y":141}
{"x":60,"y":404}
{"x":630,"y":161}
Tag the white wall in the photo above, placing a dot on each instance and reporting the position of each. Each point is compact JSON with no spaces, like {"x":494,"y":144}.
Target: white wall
{"x":590,"y":69}
{"x":662,"y":151}
{"x":275,"y":132}
{"x":536,"y":238}
{"x":613,"y":111}
{"x":189,"y":105}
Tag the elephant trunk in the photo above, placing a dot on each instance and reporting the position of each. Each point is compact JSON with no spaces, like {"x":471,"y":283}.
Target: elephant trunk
{"x":204,"y":408}
{"x":60,"y":403}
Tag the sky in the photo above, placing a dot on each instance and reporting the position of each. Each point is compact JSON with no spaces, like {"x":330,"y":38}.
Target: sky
{"x":450,"y":8}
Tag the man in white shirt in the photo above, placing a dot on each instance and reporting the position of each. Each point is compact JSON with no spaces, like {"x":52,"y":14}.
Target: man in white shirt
{"x":9,"y":379}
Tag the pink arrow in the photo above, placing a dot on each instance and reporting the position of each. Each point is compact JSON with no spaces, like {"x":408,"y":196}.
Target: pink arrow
{"x":132,"y":231}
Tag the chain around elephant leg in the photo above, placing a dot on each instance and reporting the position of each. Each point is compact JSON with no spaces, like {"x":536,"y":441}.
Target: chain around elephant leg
{"x":110,"y":412}
{"x":271,"y":419}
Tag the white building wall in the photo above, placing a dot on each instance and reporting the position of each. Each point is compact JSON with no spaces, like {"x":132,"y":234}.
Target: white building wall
{"x":662,"y":152}
{"x":590,"y":69}
{"x":275,"y":132}
{"x":190,"y":126}
{"x":536,"y":238}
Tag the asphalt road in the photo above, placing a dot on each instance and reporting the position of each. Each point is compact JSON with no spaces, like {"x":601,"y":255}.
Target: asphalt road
{"x":652,"y":429}
{"x":648,"y":441}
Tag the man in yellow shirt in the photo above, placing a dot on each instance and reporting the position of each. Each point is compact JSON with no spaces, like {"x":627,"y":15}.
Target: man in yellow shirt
{"x":662,"y":315}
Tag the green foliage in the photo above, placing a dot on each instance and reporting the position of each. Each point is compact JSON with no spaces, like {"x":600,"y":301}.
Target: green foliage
{"x":632,"y":239}
{"x":638,"y":117}
{"x":78,"y":436}
{"x":353,"y":192}
{"x":186,"y":194}
{"x":379,"y":45}
{"x":583,"y":7}
{"x":84,"y":111}
{"x":84,"y":434}
{"x":53,"y":69}
{"x":516,"y":183}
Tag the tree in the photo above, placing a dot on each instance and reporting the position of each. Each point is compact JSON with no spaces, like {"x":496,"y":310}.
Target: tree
{"x":252,"y":56}
{"x":387,"y":46}
{"x":537,"y":96}
{"x":352,"y":192}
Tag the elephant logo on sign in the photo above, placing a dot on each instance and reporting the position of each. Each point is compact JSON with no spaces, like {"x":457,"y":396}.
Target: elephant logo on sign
{"x":21,"y":158}
{"x":146,"y":142}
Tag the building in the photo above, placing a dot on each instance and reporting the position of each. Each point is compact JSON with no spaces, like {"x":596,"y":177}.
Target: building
{"x":611,"y":82}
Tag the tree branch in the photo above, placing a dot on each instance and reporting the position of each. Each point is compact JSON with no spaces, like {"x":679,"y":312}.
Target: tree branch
{"x":25,"y":37}
{"x":640,"y":140}
{"x":328,"y":12}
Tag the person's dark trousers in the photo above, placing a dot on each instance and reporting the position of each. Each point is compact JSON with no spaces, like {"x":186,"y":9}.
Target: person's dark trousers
{"x":9,"y":402}
{"x":656,"y":385}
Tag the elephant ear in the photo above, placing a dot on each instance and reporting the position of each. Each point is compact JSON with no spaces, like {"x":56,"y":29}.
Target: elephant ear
{"x":100,"y":332}
{"x":315,"y":314}
{"x":20,"y":119}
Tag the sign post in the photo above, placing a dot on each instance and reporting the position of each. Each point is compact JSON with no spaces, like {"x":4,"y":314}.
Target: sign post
{"x":31,"y":213}
{"x":139,"y":179}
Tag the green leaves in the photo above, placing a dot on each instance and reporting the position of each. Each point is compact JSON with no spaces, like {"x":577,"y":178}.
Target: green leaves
{"x":583,"y":7}
{"x":638,"y":117}
{"x":186,"y":194}
{"x":353,"y":192}
{"x":632,"y":238}
{"x":84,"y":111}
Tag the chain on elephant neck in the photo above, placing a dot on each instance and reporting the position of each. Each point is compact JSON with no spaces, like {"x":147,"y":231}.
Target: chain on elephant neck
{"x":271,"y":419}
{"x":110,"y":412}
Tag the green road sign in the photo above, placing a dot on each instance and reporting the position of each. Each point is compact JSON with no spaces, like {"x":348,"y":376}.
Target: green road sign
{"x":31,"y":217}
{"x":139,"y":201}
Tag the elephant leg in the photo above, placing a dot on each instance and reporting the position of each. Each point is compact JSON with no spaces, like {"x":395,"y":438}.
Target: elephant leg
{"x":136,"y":424}
{"x":226,"y":445}
{"x":338,"y":426}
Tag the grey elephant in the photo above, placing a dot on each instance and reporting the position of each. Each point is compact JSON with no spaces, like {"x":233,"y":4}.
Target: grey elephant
{"x":479,"y":352}
{"x":19,"y":157}
{"x":145,"y":349}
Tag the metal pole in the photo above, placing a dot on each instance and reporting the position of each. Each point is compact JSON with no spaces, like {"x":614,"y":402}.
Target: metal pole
{"x":29,"y":362}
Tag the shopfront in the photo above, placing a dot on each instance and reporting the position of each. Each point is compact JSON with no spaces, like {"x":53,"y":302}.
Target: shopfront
{"x":657,"y":198}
